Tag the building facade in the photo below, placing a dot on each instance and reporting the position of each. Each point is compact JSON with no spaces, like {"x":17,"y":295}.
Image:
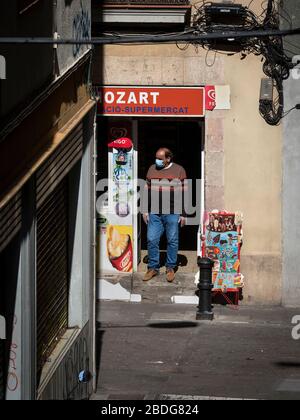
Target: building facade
{"x":47,"y":232}
{"x":290,"y":162}
{"x":235,"y":153}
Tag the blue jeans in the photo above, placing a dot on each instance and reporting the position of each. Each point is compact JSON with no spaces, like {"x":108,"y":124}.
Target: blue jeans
{"x":158,"y":223}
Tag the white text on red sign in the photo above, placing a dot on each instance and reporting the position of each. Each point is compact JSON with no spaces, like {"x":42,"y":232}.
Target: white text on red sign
{"x":128,"y":98}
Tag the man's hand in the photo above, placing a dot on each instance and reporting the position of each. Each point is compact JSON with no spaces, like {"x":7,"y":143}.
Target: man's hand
{"x":146,"y":218}
{"x":182,"y":221}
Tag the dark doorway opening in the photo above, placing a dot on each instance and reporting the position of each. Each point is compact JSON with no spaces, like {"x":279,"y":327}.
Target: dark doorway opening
{"x":185,"y":139}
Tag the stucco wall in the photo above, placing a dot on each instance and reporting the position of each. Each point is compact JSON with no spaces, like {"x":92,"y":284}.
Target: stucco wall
{"x":28,"y":67}
{"x":73,"y":22}
{"x":243,"y":153}
{"x":291,"y":200}
{"x":291,"y":169}
{"x":253,"y":177}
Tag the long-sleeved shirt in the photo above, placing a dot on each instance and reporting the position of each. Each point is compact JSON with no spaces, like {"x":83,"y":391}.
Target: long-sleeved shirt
{"x":166,"y":189}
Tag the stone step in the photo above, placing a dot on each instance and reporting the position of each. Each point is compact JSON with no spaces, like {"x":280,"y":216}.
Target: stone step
{"x":159,"y":290}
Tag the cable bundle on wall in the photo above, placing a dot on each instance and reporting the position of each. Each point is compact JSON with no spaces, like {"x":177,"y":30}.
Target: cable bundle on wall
{"x":240,"y":32}
{"x":276,"y":65}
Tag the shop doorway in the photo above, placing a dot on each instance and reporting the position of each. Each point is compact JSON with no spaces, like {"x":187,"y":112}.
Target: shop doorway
{"x":185,"y":139}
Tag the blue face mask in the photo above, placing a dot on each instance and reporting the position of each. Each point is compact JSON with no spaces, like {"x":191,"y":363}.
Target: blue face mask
{"x":159,"y":163}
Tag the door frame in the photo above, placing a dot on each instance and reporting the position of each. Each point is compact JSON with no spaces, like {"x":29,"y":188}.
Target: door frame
{"x":136,"y":214}
{"x":137,"y":217}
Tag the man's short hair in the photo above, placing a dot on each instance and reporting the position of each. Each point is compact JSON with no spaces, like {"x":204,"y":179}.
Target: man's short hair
{"x":168,"y":153}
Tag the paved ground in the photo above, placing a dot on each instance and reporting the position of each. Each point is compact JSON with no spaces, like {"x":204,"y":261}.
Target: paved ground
{"x":159,"y":351}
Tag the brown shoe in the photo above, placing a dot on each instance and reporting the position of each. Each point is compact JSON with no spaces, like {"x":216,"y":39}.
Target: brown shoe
{"x":170,"y":275}
{"x":150,"y":274}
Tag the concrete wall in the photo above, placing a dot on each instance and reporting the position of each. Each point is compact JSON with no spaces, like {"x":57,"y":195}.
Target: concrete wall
{"x":66,"y":366}
{"x":243,"y":153}
{"x":291,"y":171}
{"x":28,"y":67}
{"x":244,"y":173}
{"x":291,"y":197}
{"x":73,"y":20}
{"x":253,"y":181}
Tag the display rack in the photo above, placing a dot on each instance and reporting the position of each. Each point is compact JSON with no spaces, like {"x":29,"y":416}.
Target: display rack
{"x":221,"y":242}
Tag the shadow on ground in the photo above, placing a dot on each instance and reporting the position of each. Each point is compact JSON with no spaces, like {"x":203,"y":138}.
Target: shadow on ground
{"x":182,"y":260}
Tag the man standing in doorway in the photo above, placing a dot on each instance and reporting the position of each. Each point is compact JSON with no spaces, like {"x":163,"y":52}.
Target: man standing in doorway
{"x":165,"y":185}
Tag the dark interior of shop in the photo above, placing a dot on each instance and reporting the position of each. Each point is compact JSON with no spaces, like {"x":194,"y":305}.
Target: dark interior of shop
{"x":184,"y":137}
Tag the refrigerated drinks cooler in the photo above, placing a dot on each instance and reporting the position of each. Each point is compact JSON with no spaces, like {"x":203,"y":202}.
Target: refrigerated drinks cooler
{"x":116,"y":216}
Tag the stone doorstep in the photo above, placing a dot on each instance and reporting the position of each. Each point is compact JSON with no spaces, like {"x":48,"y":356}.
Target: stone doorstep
{"x":160,"y":291}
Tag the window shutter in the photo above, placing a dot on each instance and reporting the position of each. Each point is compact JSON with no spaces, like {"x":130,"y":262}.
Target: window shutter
{"x":52,"y":244}
{"x":10,"y":220}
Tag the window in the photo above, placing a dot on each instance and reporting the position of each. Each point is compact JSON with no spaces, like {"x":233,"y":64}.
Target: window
{"x":140,"y":15}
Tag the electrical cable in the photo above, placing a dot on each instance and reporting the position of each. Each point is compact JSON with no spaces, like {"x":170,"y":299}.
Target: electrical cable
{"x":192,"y":36}
{"x":254,"y":34}
{"x":276,"y":63}
{"x":288,"y":112}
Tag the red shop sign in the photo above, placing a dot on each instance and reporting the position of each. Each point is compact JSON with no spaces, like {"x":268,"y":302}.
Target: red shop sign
{"x":210,"y":100}
{"x":152,"y":101}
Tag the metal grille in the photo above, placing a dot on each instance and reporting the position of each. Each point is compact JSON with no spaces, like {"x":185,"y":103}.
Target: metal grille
{"x":148,"y":2}
{"x":10,"y":220}
{"x":52,"y":243}
{"x":59,"y":164}
{"x":52,"y":271}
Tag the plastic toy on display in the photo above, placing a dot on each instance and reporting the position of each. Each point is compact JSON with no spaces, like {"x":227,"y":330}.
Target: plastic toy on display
{"x":222,"y":240}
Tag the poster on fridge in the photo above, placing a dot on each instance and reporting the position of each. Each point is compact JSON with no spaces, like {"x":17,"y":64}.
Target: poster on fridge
{"x":115,"y":246}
